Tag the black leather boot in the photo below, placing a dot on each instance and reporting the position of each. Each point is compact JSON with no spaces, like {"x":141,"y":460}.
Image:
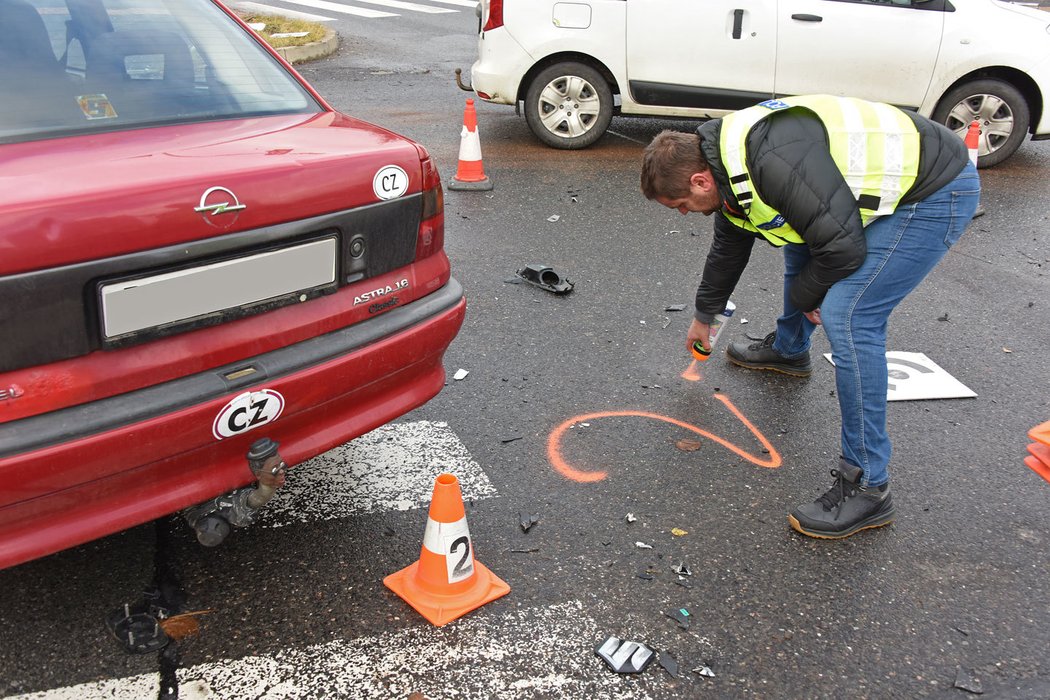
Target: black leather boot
{"x":846,"y":508}
{"x":761,"y":355}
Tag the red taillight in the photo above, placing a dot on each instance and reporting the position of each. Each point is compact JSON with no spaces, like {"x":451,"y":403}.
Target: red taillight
{"x":431,"y":237}
{"x":495,"y":15}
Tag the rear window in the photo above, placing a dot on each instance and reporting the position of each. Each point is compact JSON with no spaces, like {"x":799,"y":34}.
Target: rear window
{"x":80,"y":66}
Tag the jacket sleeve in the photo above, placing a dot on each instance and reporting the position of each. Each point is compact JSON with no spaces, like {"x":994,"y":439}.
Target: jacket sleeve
{"x":793,"y":172}
{"x":726,"y":260}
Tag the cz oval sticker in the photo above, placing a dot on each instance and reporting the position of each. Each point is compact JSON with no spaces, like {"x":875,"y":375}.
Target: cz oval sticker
{"x":247,"y":412}
{"x":390,"y":182}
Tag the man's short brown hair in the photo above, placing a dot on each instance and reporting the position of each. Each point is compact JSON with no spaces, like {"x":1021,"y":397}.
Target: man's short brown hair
{"x":668,"y":163}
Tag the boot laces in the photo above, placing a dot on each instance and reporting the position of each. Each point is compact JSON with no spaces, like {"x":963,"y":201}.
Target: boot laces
{"x":838,"y":493}
{"x":766,"y":342}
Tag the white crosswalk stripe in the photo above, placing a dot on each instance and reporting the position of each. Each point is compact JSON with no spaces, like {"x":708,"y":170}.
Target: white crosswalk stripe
{"x":283,"y":12}
{"x":391,"y":468}
{"x":513,"y":653}
{"x":347,"y":9}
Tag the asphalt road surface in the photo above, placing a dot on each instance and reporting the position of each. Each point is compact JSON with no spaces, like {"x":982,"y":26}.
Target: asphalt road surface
{"x":576,"y":410}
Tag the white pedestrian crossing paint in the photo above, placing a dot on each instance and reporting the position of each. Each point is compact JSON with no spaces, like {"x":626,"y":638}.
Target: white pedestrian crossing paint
{"x":391,"y":468}
{"x":493,"y":653}
{"x":350,"y":10}
{"x":283,"y":12}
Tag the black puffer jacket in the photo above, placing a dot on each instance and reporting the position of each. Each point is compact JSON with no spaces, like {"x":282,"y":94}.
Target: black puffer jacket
{"x":792,"y":169}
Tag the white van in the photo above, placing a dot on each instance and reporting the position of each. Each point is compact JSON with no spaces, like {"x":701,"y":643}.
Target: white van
{"x":575,"y":64}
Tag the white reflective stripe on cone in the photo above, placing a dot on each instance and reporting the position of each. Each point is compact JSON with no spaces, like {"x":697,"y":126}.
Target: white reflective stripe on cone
{"x":438,"y":533}
{"x":469,"y":145}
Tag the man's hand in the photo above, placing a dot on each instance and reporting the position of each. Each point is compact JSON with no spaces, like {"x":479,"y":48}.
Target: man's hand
{"x":813,"y":316}
{"x":698,"y":331}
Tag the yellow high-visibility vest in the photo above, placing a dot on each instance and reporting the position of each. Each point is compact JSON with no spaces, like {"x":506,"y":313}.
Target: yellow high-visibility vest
{"x":874,"y":145}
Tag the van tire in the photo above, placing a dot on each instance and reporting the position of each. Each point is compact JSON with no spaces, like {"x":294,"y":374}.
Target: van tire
{"x":998,"y":106}
{"x":553,"y":105}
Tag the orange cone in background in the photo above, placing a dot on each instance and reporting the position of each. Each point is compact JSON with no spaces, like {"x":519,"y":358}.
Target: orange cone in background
{"x":973,"y":140}
{"x":1039,"y":459}
{"x":973,"y":144}
{"x":447,"y":582}
{"x":470,"y":175}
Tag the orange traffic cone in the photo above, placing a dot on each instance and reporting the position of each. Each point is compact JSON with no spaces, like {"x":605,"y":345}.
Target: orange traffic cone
{"x":447,"y":582}
{"x":470,"y":175}
{"x":1039,"y":459}
{"x":973,"y":144}
{"x":973,"y":140}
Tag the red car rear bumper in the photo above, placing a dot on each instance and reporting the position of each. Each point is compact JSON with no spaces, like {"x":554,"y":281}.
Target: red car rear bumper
{"x":153,"y":467}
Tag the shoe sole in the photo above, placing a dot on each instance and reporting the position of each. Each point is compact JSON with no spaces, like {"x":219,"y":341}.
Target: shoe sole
{"x":882,"y":521}
{"x":790,"y":371}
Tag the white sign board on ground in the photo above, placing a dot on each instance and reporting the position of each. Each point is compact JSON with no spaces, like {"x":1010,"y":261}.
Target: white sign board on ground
{"x":915,"y":377}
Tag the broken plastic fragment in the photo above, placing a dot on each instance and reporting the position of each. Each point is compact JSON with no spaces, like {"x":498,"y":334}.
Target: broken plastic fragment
{"x":630,"y":518}
{"x":643,"y":545}
{"x":553,"y":217}
{"x":966,"y":680}
{"x":681,"y":616}
{"x":678,"y":532}
{"x":675,"y":307}
{"x":624,"y":656}
{"x":510,"y":438}
{"x":460,"y":374}
{"x":704,"y":671}
{"x":545,"y":277}
{"x":682,"y":569}
{"x":527,"y":522}
{"x":743,"y":321}
{"x":669,"y":664}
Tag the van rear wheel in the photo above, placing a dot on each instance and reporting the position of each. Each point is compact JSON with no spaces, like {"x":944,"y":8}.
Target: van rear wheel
{"x":568,"y":105}
{"x":1001,"y":111}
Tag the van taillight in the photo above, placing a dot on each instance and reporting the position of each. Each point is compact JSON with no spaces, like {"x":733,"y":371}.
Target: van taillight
{"x":495,"y":15}
{"x":431,"y":237}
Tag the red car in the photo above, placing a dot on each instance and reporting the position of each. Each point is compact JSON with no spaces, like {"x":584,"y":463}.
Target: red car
{"x":198,"y":257}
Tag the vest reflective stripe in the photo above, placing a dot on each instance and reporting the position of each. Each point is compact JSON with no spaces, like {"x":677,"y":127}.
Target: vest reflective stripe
{"x":875,"y":147}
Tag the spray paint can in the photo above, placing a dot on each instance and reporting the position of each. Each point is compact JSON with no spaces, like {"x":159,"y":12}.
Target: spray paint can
{"x":698,"y":350}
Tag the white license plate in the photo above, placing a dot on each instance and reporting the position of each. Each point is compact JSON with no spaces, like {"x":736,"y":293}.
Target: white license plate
{"x":148,"y":302}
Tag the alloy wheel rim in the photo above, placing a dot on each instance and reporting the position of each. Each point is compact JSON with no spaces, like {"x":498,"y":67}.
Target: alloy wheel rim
{"x":991,"y":112}
{"x":568,"y":106}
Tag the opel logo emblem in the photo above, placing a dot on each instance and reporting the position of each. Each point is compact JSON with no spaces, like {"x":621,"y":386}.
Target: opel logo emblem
{"x":216,"y":201}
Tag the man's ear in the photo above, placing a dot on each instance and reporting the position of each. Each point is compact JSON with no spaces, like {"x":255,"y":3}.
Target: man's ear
{"x":702,"y":180}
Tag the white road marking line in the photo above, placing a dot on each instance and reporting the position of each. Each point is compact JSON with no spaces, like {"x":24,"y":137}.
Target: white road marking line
{"x":391,"y":468}
{"x":515,"y":652}
{"x":282,"y":12}
{"x":342,"y":9}
{"x":462,"y":3}
{"x":397,"y":4}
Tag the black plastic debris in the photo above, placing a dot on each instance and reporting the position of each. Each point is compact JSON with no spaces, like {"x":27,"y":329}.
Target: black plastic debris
{"x":944,"y":317}
{"x":675,"y":307}
{"x":624,"y":656}
{"x":531,"y":550}
{"x":704,"y":671}
{"x":138,"y":632}
{"x":545,"y":277}
{"x":510,"y":438}
{"x":669,"y":664}
{"x":527,"y":522}
{"x":966,"y":680}
{"x":645,"y":576}
{"x":682,"y":569}
{"x":513,"y":280}
{"x":683,"y":583}
{"x":681,"y":616}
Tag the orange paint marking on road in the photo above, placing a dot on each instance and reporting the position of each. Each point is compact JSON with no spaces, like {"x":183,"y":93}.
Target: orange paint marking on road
{"x":562,"y":466}
{"x":692,"y":372}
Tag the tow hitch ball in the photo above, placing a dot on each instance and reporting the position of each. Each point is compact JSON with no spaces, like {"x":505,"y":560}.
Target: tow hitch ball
{"x":212,"y":520}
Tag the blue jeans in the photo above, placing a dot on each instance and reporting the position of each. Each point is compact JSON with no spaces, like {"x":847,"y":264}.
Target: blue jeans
{"x":902,"y":249}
